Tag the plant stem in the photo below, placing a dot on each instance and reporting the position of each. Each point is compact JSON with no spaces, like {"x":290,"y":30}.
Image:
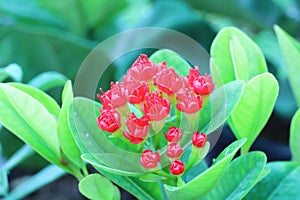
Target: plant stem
{"x":165,"y":174}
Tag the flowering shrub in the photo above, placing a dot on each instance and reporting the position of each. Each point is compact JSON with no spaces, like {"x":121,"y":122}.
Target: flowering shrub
{"x":158,"y":93}
{"x":151,"y":132}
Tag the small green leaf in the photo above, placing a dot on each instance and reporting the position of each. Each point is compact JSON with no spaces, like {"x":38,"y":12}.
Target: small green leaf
{"x":290,"y":49}
{"x":48,"y":80}
{"x":282,"y":182}
{"x":203,"y":183}
{"x":234,"y":53}
{"x":254,"y":108}
{"x":220,"y":105}
{"x":140,"y":189}
{"x":239,"y":59}
{"x":95,"y":186}
{"x":239,"y":177}
{"x":12,"y":71}
{"x":181,"y":66}
{"x":48,"y":102}
{"x":295,"y":137}
{"x":65,"y":136}
{"x":35,"y":182}
{"x":30,"y":121}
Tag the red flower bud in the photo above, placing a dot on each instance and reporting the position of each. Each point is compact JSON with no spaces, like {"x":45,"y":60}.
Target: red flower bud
{"x":203,"y":85}
{"x":142,"y":69}
{"x":149,"y":159}
{"x":188,"y":101}
{"x":169,"y":81}
{"x":156,"y":107}
{"x":138,"y":95}
{"x":137,"y":128}
{"x":177,"y":167}
{"x":193,"y":74}
{"x":105,"y":99}
{"x":109,"y":120}
{"x":174,"y":150}
{"x":199,"y":139}
{"x":174,"y":134}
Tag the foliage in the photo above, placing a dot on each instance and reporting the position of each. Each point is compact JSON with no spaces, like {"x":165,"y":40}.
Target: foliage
{"x":42,"y":47}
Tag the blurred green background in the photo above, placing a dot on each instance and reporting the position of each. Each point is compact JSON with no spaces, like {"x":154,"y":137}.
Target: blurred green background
{"x":56,"y":35}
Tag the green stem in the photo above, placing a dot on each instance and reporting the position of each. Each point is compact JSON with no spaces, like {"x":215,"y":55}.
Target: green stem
{"x":84,"y":170}
{"x":165,"y":174}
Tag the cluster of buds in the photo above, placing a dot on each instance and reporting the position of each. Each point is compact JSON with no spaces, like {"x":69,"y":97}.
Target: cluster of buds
{"x":154,"y":90}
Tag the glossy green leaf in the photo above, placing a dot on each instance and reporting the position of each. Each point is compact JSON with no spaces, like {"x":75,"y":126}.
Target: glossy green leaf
{"x":234,"y":53}
{"x":95,"y":142}
{"x":89,"y":139}
{"x":295,"y":137}
{"x":239,"y":177}
{"x":239,"y":59}
{"x":220,"y":105}
{"x":290,"y":49}
{"x":35,"y":182}
{"x":203,"y":183}
{"x":48,"y":80}
{"x":96,"y":161}
{"x":66,"y":140}
{"x":181,"y":66}
{"x":30,"y":121}
{"x":152,"y":178}
{"x":282,"y":183}
{"x":48,"y":102}
{"x":12,"y":71}
{"x":254,"y":108}
{"x":138,"y":188}
{"x":195,"y":171}
{"x":95,"y":186}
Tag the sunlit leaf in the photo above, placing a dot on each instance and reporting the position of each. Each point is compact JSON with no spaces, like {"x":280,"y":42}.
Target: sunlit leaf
{"x":95,"y":186}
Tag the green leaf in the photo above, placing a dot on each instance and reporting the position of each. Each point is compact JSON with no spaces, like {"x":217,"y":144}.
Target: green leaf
{"x":35,"y":182}
{"x":152,"y":178}
{"x":95,"y":186}
{"x":65,"y":137}
{"x":30,"y":121}
{"x":140,"y":189}
{"x":130,"y":169}
{"x":48,"y":80}
{"x":239,"y":59}
{"x":239,"y":177}
{"x":220,"y":105}
{"x":12,"y":71}
{"x":234,"y":53}
{"x":3,"y":183}
{"x":181,"y":66}
{"x":91,"y":139}
{"x":88,"y":138}
{"x":203,"y":183}
{"x":290,"y":49}
{"x":48,"y":102}
{"x":282,"y":183}
{"x":295,"y":137}
{"x":260,"y":95}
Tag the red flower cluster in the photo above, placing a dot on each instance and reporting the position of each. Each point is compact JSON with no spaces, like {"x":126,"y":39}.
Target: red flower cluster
{"x":153,"y":89}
